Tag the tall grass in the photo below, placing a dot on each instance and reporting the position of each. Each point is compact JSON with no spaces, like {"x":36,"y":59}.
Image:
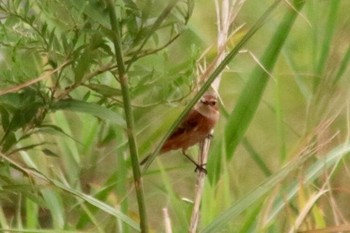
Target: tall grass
{"x":83,"y":96}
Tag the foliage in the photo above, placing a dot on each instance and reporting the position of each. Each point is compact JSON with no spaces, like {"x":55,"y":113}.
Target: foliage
{"x":65,"y":163}
{"x":68,"y":46}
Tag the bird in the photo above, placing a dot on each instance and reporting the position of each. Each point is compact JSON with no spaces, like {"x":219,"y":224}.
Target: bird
{"x":195,"y":127}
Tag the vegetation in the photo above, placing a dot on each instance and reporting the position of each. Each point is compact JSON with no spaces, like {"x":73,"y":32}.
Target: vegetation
{"x":87,"y":88}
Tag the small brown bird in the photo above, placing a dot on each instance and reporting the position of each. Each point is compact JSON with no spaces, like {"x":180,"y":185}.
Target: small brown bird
{"x":196,"y":126}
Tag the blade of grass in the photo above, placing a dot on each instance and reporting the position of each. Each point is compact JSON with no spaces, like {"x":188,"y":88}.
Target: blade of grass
{"x":343,"y":66}
{"x":251,"y":95}
{"x":54,"y":203}
{"x":250,"y":220}
{"x":89,"y":108}
{"x":177,"y":204}
{"x":32,"y":214}
{"x":92,"y":217}
{"x":306,"y":209}
{"x":299,"y":79}
{"x":256,"y":157}
{"x":69,"y":150}
{"x":328,"y":36}
{"x":279,"y":120}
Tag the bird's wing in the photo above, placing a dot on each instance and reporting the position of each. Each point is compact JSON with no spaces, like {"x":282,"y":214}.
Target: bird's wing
{"x":188,"y":124}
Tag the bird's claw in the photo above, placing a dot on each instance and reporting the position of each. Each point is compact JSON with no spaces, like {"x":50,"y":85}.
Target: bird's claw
{"x":210,"y":136}
{"x":200,"y":168}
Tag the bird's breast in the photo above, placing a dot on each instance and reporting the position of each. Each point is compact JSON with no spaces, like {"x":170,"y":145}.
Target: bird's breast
{"x":195,"y":128}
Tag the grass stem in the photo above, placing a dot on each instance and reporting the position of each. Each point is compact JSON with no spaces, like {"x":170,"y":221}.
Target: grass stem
{"x":124,"y":84}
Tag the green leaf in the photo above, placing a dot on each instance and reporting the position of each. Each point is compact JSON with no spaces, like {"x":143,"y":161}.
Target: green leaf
{"x":8,"y":141}
{"x":53,"y":130}
{"x":26,"y":190}
{"x":55,"y":204}
{"x":49,"y":152}
{"x":104,"y":90}
{"x":5,"y":118}
{"x":83,"y":64}
{"x":344,"y":65}
{"x":93,"y":9}
{"x":26,"y":148}
{"x":327,"y":39}
{"x":90,"y":108}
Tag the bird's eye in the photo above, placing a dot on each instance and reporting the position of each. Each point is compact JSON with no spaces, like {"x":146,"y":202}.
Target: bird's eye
{"x":211,"y":103}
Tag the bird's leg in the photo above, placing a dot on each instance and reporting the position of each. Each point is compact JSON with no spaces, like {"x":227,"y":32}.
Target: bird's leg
{"x":189,"y":158}
{"x":199,"y":167}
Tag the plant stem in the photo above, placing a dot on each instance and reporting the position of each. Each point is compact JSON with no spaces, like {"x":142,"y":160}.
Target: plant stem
{"x":200,"y":181}
{"x":224,"y":20}
{"x":124,"y":84}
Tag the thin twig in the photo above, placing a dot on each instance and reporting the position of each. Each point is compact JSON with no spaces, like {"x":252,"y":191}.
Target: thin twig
{"x":154,"y":27}
{"x":46,"y":75}
{"x":85,"y":78}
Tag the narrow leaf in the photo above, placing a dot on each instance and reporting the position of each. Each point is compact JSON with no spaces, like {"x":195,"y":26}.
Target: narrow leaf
{"x":104,"y":90}
{"x":90,"y":108}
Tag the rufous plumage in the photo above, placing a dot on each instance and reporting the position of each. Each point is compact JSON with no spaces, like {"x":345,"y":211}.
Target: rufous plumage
{"x":195,"y":127}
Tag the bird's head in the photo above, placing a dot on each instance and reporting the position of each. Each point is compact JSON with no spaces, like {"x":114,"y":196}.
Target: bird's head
{"x":208,"y":106}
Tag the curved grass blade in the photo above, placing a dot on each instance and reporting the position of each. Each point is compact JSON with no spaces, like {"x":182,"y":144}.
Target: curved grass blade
{"x":344,"y":65}
{"x":328,"y":36}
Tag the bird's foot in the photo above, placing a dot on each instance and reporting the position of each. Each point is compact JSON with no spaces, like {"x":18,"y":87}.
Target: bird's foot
{"x":210,"y":136}
{"x":200,"y":168}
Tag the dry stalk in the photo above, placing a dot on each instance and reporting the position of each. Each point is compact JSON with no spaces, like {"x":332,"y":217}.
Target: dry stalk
{"x":203,"y":157}
{"x":167,"y":221}
{"x":226,"y":13}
